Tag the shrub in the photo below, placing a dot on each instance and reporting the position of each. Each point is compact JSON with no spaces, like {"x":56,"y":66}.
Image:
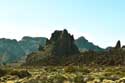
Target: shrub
{"x":57,"y":78}
{"x":73,"y":69}
{"x":2,"y":72}
{"x":79,"y":79}
{"x":70,"y":69}
{"x":84,"y":70}
{"x":20,"y":74}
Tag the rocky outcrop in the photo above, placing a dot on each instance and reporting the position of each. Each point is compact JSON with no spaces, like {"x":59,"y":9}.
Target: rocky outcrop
{"x":63,"y":44}
{"x":123,"y":47}
{"x":118,"y":45}
{"x":109,"y":49}
{"x":58,"y":50}
{"x":84,"y":45}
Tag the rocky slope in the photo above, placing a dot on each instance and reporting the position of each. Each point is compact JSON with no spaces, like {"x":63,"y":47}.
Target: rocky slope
{"x":32,"y":44}
{"x":84,"y":45}
{"x":10,"y":51}
{"x":13,"y":51}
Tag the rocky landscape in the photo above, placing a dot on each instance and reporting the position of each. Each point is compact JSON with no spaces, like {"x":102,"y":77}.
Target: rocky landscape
{"x":60,"y":59}
{"x":12,"y":51}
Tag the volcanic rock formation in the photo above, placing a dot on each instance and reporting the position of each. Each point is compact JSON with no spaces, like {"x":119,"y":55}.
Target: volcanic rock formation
{"x":60,"y":47}
{"x":118,"y":45}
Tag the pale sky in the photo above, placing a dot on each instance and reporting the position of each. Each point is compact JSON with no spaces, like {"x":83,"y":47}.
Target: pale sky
{"x":100,"y":21}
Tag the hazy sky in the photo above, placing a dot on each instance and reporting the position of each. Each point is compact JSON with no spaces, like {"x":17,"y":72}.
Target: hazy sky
{"x":100,"y":21}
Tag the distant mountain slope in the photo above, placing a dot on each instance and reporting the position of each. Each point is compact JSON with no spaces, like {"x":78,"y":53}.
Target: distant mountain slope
{"x":31,"y":44}
{"x":13,"y":51}
{"x":84,"y":45}
{"x":10,"y":50}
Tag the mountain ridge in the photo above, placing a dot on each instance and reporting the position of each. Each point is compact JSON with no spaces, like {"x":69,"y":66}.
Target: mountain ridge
{"x":12,"y":50}
{"x":84,"y":45}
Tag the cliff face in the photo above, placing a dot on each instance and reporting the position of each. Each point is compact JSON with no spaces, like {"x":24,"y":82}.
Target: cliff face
{"x":60,"y":47}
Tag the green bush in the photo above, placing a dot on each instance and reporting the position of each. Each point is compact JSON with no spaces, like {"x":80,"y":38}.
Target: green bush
{"x":70,"y":69}
{"x":2,"y":72}
{"x":20,"y":74}
{"x":84,"y":70}
{"x":79,"y":79}
{"x":73,"y":69}
{"x":57,"y":78}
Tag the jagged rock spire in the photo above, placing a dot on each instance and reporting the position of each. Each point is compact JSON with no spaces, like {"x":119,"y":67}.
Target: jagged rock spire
{"x":63,"y":43}
{"x":118,"y":44}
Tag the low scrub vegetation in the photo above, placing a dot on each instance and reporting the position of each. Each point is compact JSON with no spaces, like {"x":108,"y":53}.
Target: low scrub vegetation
{"x":19,"y":73}
{"x":64,"y":74}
